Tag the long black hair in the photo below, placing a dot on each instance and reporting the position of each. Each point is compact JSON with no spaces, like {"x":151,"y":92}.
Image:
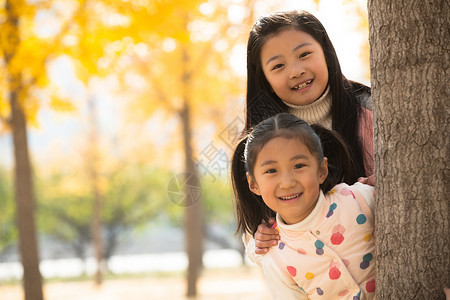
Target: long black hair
{"x":321,"y":142}
{"x":262,"y":103}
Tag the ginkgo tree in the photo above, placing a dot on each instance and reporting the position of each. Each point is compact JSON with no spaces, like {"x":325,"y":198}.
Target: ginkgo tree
{"x":23,"y":57}
{"x":26,"y":50}
{"x":178,"y":59}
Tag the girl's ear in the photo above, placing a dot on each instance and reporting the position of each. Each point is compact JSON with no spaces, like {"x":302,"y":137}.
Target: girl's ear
{"x":252,"y":185}
{"x":323,"y":170}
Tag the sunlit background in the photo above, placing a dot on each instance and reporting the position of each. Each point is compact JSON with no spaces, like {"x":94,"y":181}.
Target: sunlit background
{"x":112,"y":78}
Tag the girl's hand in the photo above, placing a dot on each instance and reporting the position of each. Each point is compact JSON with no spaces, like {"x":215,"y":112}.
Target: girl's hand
{"x":367,"y":180}
{"x":266,"y":237}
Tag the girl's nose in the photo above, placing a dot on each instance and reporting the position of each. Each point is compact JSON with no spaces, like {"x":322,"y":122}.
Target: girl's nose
{"x":287,"y":181}
{"x":297,"y":70}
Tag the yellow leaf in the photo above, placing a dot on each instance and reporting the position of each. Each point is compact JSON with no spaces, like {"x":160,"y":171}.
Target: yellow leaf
{"x":61,"y":105}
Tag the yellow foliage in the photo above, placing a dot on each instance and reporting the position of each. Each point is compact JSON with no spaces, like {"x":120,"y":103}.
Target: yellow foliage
{"x":5,"y":111}
{"x":61,"y":105}
{"x":180,"y":62}
{"x":31,"y":105}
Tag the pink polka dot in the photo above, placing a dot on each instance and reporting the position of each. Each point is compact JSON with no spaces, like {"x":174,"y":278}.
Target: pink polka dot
{"x":370,"y":286}
{"x":347,"y":192}
{"x":334,"y":273}
{"x":343,"y":293}
{"x":337,"y":238}
{"x":301,"y":251}
{"x":338,"y":228}
{"x":292,"y":270}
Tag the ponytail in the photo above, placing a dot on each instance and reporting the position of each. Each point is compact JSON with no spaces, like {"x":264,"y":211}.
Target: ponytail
{"x":341,"y":166}
{"x":250,"y":208}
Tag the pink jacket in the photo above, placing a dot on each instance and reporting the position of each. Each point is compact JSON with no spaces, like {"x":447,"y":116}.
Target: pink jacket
{"x":365,"y":132}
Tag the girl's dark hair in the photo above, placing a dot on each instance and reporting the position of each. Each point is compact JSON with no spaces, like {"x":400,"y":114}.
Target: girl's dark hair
{"x":263,"y":103}
{"x":321,"y":142}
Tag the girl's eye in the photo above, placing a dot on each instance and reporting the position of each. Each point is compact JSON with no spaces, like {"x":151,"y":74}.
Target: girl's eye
{"x":277,"y":66}
{"x":270,"y":171}
{"x":305,"y":54}
{"x":299,"y":166}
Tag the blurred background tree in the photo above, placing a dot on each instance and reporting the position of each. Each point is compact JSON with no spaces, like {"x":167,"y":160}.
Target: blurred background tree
{"x":24,"y":55}
{"x":172,"y":54}
{"x":133,"y":193}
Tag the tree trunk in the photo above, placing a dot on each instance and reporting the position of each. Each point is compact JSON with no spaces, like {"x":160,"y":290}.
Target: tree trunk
{"x":193,"y":211}
{"x":93,"y":166}
{"x":409,"y":43}
{"x":32,"y":280}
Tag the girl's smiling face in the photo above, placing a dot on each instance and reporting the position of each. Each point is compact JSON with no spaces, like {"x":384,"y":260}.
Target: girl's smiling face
{"x":294,"y":64}
{"x":287,"y":176}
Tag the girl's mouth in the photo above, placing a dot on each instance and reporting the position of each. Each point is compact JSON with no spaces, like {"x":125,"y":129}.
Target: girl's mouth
{"x":290,"y":197}
{"x":302,"y":85}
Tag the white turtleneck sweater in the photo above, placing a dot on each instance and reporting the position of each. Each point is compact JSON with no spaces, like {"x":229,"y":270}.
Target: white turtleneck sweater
{"x":318,"y":112}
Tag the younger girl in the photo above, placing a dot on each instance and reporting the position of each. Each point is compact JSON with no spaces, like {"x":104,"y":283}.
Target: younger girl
{"x":292,"y":67}
{"x":326,"y":246}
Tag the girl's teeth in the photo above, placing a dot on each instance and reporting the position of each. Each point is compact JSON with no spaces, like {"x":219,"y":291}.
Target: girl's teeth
{"x":303,"y":85}
{"x":290,"y":197}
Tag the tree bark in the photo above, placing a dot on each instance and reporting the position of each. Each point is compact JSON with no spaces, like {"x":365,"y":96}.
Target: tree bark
{"x":409,"y":56}
{"x":193,"y":211}
{"x":32,"y":280}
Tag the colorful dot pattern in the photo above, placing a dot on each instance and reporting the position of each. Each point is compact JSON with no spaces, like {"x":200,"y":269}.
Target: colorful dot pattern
{"x":331,"y":210}
{"x":319,"y":247}
{"x":366,"y":261}
{"x":367,"y":237}
{"x":361,"y":219}
{"x":336,"y":236}
{"x":357,"y":297}
{"x":370,"y":286}
{"x":292,"y":270}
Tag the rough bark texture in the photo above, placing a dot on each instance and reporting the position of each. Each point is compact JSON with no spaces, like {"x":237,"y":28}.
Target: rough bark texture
{"x":409,"y":43}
